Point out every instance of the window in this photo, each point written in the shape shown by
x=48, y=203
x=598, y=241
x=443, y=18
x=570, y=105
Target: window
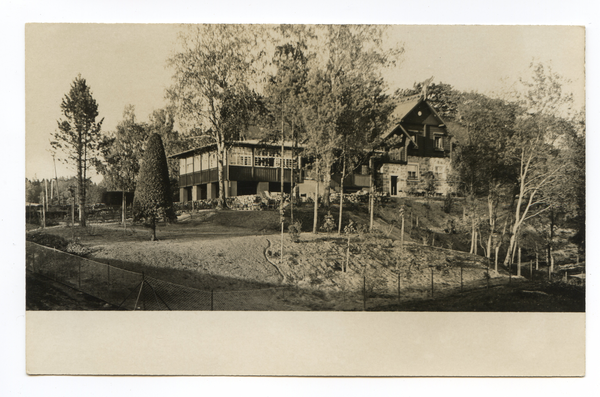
x=182, y=167
x=189, y=162
x=212, y=160
x=264, y=158
x=204, y=161
x=439, y=172
x=287, y=163
x=439, y=143
x=197, y=163
x=413, y=171
x=241, y=156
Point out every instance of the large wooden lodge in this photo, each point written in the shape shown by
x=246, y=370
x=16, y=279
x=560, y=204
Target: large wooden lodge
x=418, y=144
x=250, y=167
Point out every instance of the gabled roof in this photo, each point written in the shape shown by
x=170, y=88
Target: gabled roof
x=404, y=109
x=405, y=106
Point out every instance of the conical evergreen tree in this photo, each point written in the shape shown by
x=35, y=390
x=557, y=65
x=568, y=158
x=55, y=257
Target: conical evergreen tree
x=153, y=198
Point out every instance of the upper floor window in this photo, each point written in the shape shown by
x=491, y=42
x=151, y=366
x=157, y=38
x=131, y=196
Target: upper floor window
x=439, y=143
x=240, y=156
x=264, y=158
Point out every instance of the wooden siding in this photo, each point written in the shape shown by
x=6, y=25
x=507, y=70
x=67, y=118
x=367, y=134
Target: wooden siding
x=237, y=173
x=200, y=177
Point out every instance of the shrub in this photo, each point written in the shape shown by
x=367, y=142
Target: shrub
x=295, y=229
x=329, y=223
x=77, y=248
x=48, y=240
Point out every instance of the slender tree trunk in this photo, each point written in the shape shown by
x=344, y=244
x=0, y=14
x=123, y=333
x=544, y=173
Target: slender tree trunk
x=519, y=263
x=221, y=153
x=496, y=259
x=347, y=254
x=46, y=188
x=123, y=209
x=537, y=261
x=81, y=193
x=153, y=227
x=341, y=195
x=292, y=182
x=371, y=193
x=511, y=245
x=514, y=251
x=56, y=179
x=402, y=235
x=316, y=207
x=43, y=211
x=282, y=161
x=327, y=187
x=472, y=249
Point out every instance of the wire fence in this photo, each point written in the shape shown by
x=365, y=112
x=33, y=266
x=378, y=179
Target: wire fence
x=128, y=290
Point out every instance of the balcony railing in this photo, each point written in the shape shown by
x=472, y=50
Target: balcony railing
x=239, y=173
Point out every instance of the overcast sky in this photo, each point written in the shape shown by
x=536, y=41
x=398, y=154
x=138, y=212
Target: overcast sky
x=126, y=64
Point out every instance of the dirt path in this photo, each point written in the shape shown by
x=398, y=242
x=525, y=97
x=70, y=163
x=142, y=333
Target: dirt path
x=226, y=263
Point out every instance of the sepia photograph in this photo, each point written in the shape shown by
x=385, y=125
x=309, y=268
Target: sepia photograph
x=304, y=200
x=329, y=168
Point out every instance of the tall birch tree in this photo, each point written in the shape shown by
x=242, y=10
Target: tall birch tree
x=213, y=91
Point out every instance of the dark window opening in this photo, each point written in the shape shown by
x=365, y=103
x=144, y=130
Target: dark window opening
x=245, y=188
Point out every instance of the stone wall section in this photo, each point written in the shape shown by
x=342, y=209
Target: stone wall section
x=425, y=164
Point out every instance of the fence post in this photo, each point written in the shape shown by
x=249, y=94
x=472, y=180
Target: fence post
x=398, y=286
x=143, y=297
x=79, y=275
x=364, y=293
x=461, y=277
x=531, y=270
x=432, y=282
x=212, y=292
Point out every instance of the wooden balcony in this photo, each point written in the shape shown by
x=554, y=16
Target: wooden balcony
x=239, y=173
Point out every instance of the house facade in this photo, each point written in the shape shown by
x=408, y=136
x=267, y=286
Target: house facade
x=250, y=167
x=417, y=151
x=415, y=158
